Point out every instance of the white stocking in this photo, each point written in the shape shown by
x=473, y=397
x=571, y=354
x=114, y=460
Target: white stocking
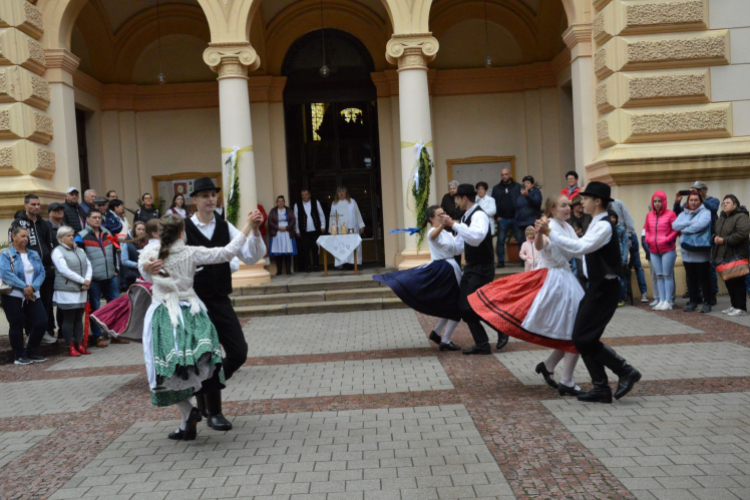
x=185, y=408
x=440, y=325
x=569, y=367
x=449, y=329
x=554, y=358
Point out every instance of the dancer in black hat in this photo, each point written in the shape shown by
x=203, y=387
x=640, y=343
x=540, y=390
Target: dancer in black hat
x=601, y=251
x=479, y=270
x=213, y=285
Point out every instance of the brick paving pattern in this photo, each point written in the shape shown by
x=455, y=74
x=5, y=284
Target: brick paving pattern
x=334, y=332
x=423, y=452
x=45, y=397
x=114, y=355
x=319, y=415
x=338, y=379
x=664, y=447
x=660, y=362
x=12, y=444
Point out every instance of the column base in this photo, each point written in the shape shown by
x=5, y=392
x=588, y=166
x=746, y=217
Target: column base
x=412, y=258
x=254, y=275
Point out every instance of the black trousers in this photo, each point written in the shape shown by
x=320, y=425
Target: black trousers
x=222, y=315
x=597, y=308
x=737, y=294
x=308, y=245
x=46, y=292
x=475, y=277
x=699, y=280
x=19, y=313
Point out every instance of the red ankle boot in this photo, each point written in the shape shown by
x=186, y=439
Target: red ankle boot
x=82, y=349
x=72, y=351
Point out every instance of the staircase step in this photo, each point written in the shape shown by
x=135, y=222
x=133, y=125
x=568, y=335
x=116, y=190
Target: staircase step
x=310, y=285
x=333, y=306
x=277, y=298
x=381, y=292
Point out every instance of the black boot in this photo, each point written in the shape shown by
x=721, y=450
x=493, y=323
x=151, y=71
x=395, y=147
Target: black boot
x=601, y=393
x=288, y=262
x=627, y=374
x=200, y=402
x=279, y=265
x=216, y=419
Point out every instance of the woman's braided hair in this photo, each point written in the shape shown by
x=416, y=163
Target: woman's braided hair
x=171, y=228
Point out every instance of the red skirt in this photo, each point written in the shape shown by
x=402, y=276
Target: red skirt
x=504, y=304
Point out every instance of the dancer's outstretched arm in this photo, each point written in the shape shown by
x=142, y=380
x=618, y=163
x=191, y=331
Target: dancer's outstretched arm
x=203, y=255
x=596, y=237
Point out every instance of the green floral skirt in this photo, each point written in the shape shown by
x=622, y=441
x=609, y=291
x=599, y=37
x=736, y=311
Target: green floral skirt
x=184, y=356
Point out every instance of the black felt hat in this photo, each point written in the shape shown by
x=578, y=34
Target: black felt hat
x=466, y=190
x=204, y=184
x=598, y=190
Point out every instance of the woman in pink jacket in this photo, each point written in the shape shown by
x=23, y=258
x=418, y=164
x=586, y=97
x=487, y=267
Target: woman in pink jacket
x=660, y=238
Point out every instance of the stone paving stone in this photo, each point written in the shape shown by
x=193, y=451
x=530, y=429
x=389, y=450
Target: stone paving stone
x=300, y=438
x=43, y=397
x=655, y=362
x=334, y=332
x=13, y=444
x=114, y=355
x=718, y=416
x=636, y=322
x=338, y=378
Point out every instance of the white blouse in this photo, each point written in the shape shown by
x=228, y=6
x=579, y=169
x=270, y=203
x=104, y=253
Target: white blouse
x=61, y=297
x=446, y=247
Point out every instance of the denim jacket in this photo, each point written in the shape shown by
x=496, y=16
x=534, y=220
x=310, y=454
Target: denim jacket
x=17, y=279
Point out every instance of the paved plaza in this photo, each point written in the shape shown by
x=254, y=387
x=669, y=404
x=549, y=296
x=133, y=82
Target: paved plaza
x=362, y=406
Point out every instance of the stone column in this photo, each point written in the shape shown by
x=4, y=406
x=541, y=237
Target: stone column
x=232, y=62
x=27, y=164
x=61, y=64
x=578, y=38
x=412, y=53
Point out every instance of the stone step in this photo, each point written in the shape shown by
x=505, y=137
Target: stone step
x=316, y=296
x=330, y=306
x=310, y=285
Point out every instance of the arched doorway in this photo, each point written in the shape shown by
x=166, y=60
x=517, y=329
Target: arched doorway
x=332, y=129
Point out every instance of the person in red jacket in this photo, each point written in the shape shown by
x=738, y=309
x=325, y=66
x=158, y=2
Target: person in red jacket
x=660, y=238
x=573, y=188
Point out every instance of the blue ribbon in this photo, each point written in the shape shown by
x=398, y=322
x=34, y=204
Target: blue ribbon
x=411, y=230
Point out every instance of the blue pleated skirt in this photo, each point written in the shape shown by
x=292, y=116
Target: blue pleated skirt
x=431, y=289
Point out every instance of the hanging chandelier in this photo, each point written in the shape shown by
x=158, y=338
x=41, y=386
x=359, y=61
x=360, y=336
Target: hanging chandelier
x=160, y=78
x=324, y=70
x=488, y=58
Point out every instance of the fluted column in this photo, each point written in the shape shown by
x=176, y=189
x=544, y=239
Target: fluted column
x=412, y=53
x=232, y=62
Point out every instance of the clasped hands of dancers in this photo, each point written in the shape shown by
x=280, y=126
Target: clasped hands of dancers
x=546, y=306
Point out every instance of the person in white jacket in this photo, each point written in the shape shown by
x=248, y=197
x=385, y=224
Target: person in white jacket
x=487, y=203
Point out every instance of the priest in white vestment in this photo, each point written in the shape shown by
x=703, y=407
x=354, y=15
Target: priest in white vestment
x=349, y=214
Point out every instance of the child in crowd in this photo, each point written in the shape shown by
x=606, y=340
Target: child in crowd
x=528, y=253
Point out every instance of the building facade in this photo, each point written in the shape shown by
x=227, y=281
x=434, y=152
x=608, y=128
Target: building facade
x=141, y=96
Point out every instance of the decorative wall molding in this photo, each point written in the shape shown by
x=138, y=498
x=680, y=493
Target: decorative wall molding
x=23, y=16
x=18, y=48
x=654, y=88
x=579, y=39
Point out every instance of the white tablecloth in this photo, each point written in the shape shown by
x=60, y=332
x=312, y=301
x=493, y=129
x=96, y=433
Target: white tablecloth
x=340, y=246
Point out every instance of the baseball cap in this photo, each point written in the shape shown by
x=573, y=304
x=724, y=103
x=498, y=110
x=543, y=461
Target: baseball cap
x=71, y=189
x=700, y=185
x=54, y=206
x=100, y=201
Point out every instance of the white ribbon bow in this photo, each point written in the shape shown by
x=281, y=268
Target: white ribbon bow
x=232, y=168
x=418, y=147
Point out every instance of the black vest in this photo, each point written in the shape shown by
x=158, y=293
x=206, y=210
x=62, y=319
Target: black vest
x=484, y=253
x=302, y=216
x=215, y=279
x=605, y=261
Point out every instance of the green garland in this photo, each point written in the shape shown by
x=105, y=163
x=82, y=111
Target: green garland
x=424, y=171
x=233, y=202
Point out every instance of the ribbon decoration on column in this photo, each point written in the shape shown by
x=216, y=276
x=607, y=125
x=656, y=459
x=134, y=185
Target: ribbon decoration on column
x=419, y=183
x=232, y=181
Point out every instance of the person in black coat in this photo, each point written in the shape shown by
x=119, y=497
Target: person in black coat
x=505, y=193
x=74, y=217
x=448, y=203
x=528, y=204
x=148, y=210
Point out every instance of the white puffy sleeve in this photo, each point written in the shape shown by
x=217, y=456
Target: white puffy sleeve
x=203, y=256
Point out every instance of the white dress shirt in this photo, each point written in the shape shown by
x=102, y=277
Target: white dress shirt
x=597, y=235
x=251, y=252
x=307, y=205
x=475, y=233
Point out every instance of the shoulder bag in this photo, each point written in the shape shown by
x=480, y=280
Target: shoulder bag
x=6, y=289
x=733, y=268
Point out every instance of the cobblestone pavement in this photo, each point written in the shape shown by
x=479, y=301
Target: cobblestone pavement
x=362, y=406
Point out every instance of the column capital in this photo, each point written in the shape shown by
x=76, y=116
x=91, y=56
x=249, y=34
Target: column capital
x=231, y=60
x=579, y=39
x=412, y=50
x=61, y=66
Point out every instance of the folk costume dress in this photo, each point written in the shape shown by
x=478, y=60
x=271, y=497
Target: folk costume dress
x=433, y=288
x=283, y=243
x=537, y=306
x=180, y=344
